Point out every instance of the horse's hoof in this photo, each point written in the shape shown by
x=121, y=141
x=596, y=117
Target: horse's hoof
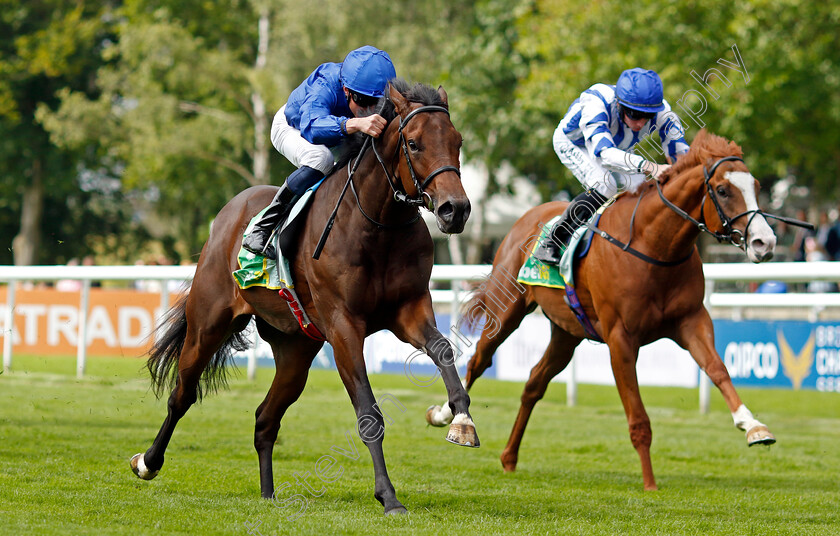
x=462, y=432
x=396, y=511
x=759, y=435
x=138, y=465
x=509, y=462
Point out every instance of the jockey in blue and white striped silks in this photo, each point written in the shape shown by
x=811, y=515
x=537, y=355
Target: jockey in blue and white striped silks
x=595, y=141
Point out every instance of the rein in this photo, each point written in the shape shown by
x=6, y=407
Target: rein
x=729, y=233
x=635, y=252
x=733, y=236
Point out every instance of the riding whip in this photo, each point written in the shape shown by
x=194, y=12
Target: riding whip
x=331, y=221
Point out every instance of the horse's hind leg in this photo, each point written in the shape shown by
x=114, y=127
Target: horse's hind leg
x=696, y=334
x=292, y=357
x=557, y=356
x=208, y=329
x=504, y=303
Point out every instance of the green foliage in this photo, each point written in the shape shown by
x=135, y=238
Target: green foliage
x=175, y=107
x=46, y=47
x=483, y=70
x=785, y=117
x=160, y=95
x=172, y=114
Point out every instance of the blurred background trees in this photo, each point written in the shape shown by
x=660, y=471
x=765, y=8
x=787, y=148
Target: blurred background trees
x=126, y=125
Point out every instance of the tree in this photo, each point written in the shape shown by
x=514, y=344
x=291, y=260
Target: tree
x=784, y=111
x=45, y=46
x=483, y=70
x=190, y=87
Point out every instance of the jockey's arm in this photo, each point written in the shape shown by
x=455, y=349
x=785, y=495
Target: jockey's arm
x=594, y=123
x=671, y=134
x=624, y=162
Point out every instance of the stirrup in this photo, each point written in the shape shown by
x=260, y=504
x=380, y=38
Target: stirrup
x=257, y=247
x=548, y=252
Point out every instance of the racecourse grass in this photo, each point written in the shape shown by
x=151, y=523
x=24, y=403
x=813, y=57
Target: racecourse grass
x=65, y=445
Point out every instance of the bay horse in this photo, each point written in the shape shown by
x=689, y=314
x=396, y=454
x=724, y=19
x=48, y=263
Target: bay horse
x=373, y=275
x=631, y=301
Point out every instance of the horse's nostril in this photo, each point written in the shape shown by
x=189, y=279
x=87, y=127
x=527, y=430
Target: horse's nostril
x=446, y=211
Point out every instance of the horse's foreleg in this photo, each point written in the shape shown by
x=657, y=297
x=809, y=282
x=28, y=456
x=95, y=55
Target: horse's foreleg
x=624, y=352
x=415, y=325
x=503, y=304
x=696, y=334
x=292, y=357
x=557, y=356
x=347, y=340
x=462, y=428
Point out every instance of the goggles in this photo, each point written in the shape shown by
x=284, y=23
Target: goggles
x=635, y=115
x=363, y=101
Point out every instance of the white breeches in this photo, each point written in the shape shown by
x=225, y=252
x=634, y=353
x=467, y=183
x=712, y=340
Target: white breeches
x=590, y=173
x=295, y=148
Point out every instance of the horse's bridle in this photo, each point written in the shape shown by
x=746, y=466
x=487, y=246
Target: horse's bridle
x=734, y=236
x=729, y=234
x=400, y=195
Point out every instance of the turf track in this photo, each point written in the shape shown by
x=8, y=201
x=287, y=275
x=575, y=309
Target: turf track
x=65, y=445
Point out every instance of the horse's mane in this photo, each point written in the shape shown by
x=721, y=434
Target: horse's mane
x=705, y=149
x=421, y=93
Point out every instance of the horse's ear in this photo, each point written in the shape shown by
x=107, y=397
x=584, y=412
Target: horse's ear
x=443, y=96
x=400, y=102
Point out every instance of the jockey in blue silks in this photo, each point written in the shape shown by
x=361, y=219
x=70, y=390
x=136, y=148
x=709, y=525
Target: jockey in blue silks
x=596, y=141
x=319, y=114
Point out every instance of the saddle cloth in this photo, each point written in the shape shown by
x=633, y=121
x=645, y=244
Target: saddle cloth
x=258, y=271
x=536, y=273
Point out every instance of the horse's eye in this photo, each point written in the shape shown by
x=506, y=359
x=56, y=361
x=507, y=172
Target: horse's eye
x=412, y=145
x=721, y=191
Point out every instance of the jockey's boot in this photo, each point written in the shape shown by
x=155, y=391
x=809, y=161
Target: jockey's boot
x=576, y=214
x=257, y=241
x=300, y=180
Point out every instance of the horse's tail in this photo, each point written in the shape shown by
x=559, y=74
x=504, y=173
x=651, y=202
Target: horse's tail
x=476, y=308
x=166, y=349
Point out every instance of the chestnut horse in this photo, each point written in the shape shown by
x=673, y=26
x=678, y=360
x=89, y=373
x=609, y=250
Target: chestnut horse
x=373, y=275
x=629, y=301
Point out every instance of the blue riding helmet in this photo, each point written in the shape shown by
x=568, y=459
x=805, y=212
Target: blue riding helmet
x=367, y=70
x=640, y=89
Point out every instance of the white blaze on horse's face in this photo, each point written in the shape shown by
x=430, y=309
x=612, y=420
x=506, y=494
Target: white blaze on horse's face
x=761, y=241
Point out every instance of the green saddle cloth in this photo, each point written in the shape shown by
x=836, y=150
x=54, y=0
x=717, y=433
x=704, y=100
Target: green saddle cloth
x=537, y=273
x=258, y=271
